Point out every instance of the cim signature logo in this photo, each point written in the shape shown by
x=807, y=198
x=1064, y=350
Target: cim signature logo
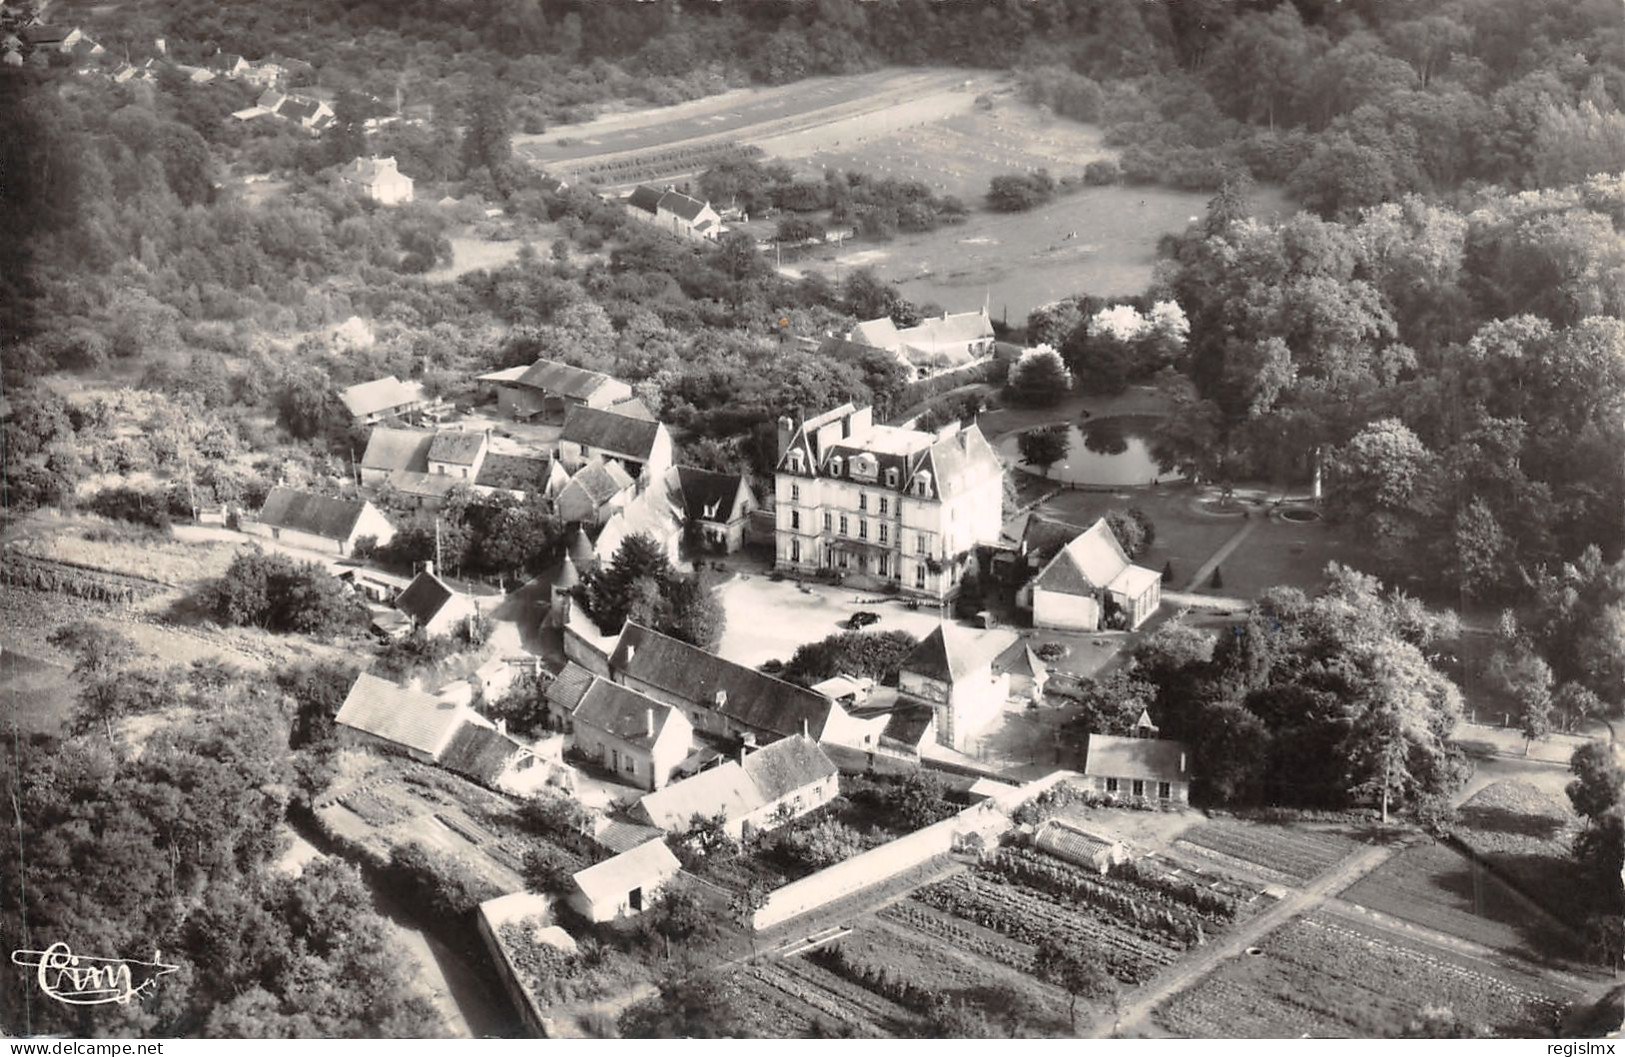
x=83, y=980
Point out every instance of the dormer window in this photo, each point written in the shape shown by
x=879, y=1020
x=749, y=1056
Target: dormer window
x=797, y=462
x=922, y=483
x=835, y=466
x=865, y=467
x=891, y=477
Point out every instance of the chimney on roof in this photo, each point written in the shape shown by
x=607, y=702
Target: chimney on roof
x=428, y=567
x=631, y=649
x=648, y=722
x=721, y=698
x=804, y=730
x=1181, y=763
x=787, y=430
x=743, y=750
x=502, y=726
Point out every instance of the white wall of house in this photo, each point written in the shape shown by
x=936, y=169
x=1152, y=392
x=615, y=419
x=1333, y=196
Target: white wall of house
x=648, y=888
x=1052, y=609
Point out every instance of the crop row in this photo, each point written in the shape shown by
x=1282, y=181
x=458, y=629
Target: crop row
x=1298, y=853
x=1029, y=917
x=1176, y=909
x=774, y=976
x=712, y=152
x=21, y=571
x=923, y=921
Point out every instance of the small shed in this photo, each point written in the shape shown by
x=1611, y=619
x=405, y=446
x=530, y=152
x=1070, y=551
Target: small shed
x=624, y=884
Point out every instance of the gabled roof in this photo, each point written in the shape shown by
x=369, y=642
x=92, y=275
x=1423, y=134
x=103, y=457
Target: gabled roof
x=787, y=765
x=847, y=349
x=880, y=333
x=299, y=108
x=369, y=171
x=617, y=434
x=624, y=714
x=632, y=407
x=611, y=879
x=480, y=753
x=1151, y=759
x=601, y=481
x=708, y=495
x=580, y=549
x=394, y=713
x=1036, y=534
x=459, y=447
x=578, y=383
x=569, y=687
x=1086, y=565
x=908, y=724
x=46, y=35
x=424, y=597
x=951, y=653
x=380, y=394
x=645, y=198
x=520, y=473
x=397, y=449
x=318, y=515
x=752, y=698
x=681, y=204
x=725, y=789
x=567, y=576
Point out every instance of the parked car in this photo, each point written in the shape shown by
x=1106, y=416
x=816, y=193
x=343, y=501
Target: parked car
x=862, y=619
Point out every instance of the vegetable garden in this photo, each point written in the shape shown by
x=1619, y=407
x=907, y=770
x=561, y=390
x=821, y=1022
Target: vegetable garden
x=1296, y=854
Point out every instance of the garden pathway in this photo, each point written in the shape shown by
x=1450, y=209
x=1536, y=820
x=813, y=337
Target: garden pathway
x=1224, y=551
x=1138, y=1004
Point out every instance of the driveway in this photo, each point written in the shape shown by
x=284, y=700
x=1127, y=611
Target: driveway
x=768, y=620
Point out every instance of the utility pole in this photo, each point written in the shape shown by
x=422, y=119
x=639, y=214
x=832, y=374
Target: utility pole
x=440, y=569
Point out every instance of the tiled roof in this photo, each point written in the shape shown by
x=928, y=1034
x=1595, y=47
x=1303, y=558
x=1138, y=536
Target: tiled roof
x=908, y=724
x=480, y=753
x=651, y=514
x=617, y=434
x=752, y=699
x=951, y=653
x=623, y=713
x=681, y=204
x=317, y=515
x=425, y=596
x=397, y=449
x=645, y=198
x=299, y=108
x=725, y=789
x=1145, y=758
x=601, y=481
x=381, y=394
x=619, y=835
x=578, y=383
x=787, y=765
x=520, y=473
x=632, y=407
x=569, y=687
x=708, y=495
x=647, y=864
x=1086, y=565
x=425, y=485
x=394, y=713
x=460, y=447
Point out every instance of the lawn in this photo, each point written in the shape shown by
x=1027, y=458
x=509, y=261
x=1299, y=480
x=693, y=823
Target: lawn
x=1438, y=888
x=38, y=695
x=1328, y=977
x=1297, y=854
x=1525, y=835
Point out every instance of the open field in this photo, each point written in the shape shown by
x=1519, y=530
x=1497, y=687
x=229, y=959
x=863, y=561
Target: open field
x=800, y=117
x=1293, y=852
x=1438, y=888
x=35, y=695
x=1331, y=977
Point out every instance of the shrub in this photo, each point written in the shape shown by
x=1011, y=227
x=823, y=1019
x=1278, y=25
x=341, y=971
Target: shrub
x=1102, y=173
x=123, y=503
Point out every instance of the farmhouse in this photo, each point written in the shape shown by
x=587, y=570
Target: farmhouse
x=379, y=714
x=594, y=493
x=493, y=759
x=457, y=453
x=716, y=507
x=718, y=696
x=1141, y=769
x=1089, y=583
x=624, y=884
x=933, y=344
x=377, y=179
x=372, y=402
x=312, y=115
x=627, y=433
x=518, y=475
x=229, y=64
x=952, y=670
x=672, y=211
x=432, y=606
x=391, y=450
x=564, y=693
x=304, y=519
x=760, y=791
x=549, y=389
x=639, y=739
x=884, y=505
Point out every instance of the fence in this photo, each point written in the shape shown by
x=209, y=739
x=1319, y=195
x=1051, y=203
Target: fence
x=989, y=819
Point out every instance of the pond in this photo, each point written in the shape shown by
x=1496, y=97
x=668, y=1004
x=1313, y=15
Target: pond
x=1103, y=451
